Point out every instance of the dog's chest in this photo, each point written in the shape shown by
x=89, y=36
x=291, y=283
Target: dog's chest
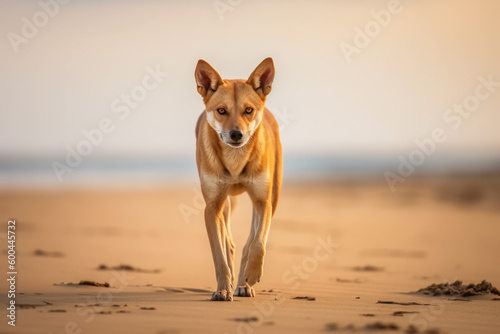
x=235, y=161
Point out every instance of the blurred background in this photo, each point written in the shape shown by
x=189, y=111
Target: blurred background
x=357, y=84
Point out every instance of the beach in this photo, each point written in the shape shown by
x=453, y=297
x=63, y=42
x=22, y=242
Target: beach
x=341, y=257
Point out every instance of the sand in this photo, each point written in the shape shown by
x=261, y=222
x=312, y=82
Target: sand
x=341, y=258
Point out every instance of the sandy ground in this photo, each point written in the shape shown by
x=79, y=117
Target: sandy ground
x=344, y=246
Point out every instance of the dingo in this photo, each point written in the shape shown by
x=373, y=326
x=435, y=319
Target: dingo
x=238, y=149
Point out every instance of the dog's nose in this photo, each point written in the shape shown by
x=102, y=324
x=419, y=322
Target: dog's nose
x=235, y=135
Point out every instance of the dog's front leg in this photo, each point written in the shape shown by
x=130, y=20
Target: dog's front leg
x=257, y=249
x=216, y=229
x=243, y=289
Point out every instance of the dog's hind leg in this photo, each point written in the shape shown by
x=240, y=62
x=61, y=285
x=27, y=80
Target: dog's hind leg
x=257, y=249
x=228, y=207
x=243, y=289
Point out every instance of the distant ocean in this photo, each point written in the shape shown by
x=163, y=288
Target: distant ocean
x=164, y=172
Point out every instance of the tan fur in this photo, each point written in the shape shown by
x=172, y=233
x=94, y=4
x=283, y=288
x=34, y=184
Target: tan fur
x=227, y=169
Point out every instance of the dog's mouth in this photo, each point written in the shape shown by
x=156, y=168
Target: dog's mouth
x=232, y=143
x=235, y=144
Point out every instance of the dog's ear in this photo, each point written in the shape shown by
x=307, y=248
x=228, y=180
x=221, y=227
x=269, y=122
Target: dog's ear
x=207, y=79
x=262, y=78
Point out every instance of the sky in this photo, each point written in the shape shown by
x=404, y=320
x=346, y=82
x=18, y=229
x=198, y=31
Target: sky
x=418, y=60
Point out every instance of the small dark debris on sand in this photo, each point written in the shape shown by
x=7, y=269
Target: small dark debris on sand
x=94, y=283
x=127, y=267
x=57, y=311
x=381, y=326
x=46, y=302
x=458, y=289
x=40, y=252
x=368, y=268
x=122, y=311
x=414, y=330
x=376, y=326
x=90, y=283
x=26, y=306
x=367, y=315
x=104, y=312
x=305, y=298
x=340, y=280
x=89, y=305
x=496, y=298
x=248, y=319
x=148, y=308
x=399, y=303
x=401, y=313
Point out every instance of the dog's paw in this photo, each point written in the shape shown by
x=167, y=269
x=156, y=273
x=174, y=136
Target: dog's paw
x=244, y=291
x=222, y=295
x=253, y=272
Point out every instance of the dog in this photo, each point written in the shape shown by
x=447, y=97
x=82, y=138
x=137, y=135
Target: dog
x=238, y=150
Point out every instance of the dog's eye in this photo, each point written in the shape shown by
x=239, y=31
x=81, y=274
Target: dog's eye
x=221, y=111
x=249, y=110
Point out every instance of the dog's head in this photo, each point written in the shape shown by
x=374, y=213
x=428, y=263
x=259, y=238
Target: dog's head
x=234, y=108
